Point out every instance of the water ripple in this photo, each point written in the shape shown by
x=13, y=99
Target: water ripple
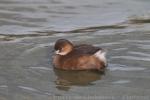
x=28, y=88
x=132, y=58
x=136, y=41
x=139, y=53
x=143, y=46
x=121, y=82
x=3, y=86
x=41, y=68
x=139, y=20
x=114, y=67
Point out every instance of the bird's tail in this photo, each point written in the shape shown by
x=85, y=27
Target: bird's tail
x=101, y=55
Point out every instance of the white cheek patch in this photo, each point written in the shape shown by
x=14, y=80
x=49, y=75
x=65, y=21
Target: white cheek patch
x=60, y=53
x=57, y=51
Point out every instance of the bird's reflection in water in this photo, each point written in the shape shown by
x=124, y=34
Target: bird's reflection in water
x=66, y=79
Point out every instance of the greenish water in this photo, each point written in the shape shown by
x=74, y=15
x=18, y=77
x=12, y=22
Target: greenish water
x=29, y=29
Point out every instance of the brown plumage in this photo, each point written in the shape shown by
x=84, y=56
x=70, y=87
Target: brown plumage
x=78, y=57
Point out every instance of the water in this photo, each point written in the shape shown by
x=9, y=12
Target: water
x=29, y=29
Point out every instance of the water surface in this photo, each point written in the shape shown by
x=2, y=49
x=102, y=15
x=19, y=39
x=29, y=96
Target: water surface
x=29, y=29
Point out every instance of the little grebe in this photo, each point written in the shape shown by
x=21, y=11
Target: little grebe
x=78, y=57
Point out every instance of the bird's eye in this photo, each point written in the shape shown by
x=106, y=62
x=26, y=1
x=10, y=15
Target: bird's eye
x=61, y=49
